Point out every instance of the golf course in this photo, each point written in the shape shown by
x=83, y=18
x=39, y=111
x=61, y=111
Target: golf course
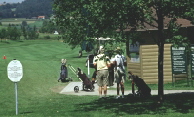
x=38, y=90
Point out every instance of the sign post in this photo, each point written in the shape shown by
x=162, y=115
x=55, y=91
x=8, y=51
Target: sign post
x=192, y=63
x=15, y=73
x=16, y=97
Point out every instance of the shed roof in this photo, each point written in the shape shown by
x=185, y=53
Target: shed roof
x=154, y=25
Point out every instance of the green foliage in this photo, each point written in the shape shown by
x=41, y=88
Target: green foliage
x=23, y=28
x=48, y=27
x=47, y=37
x=93, y=19
x=13, y=33
x=24, y=23
x=30, y=31
x=32, y=34
x=74, y=27
x=173, y=35
x=3, y=34
x=6, y=10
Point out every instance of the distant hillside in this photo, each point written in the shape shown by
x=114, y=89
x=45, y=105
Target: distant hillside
x=26, y=9
x=10, y=1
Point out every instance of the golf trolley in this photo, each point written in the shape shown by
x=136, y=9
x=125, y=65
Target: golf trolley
x=86, y=83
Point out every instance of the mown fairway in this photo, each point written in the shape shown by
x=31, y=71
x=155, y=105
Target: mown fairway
x=18, y=22
x=6, y=22
x=41, y=67
x=38, y=89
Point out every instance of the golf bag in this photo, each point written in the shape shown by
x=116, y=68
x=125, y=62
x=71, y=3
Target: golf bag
x=87, y=85
x=143, y=89
x=63, y=73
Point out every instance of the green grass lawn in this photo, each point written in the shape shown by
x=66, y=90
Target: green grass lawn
x=38, y=90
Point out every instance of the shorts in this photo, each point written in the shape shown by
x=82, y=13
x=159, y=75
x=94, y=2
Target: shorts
x=119, y=77
x=102, y=77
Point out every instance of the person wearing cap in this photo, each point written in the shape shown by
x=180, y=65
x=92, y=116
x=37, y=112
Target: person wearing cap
x=95, y=72
x=119, y=71
x=102, y=63
x=64, y=71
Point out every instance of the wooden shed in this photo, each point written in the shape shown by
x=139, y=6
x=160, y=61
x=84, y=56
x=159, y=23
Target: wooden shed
x=143, y=60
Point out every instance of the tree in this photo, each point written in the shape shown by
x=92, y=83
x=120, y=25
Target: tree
x=34, y=8
x=3, y=34
x=32, y=33
x=13, y=33
x=70, y=20
x=48, y=27
x=83, y=19
x=172, y=9
x=16, y=33
x=6, y=10
x=24, y=23
x=24, y=32
x=26, y=9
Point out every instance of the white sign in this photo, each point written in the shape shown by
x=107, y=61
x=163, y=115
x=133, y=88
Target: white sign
x=15, y=70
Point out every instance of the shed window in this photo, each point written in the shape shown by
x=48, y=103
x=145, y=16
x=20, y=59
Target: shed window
x=134, y=52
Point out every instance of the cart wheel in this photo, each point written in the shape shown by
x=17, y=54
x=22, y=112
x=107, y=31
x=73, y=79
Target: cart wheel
x=76, y=89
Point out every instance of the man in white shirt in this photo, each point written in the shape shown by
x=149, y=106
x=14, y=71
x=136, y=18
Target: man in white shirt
x=119, y=71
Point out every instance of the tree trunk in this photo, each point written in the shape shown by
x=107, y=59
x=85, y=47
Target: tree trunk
x=160, y=71
x=160, y=51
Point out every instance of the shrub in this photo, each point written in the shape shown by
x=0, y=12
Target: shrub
x=47, y=37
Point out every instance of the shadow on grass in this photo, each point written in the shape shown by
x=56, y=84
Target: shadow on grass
x=26, y=112
x=79, y=57
x=180, y=102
